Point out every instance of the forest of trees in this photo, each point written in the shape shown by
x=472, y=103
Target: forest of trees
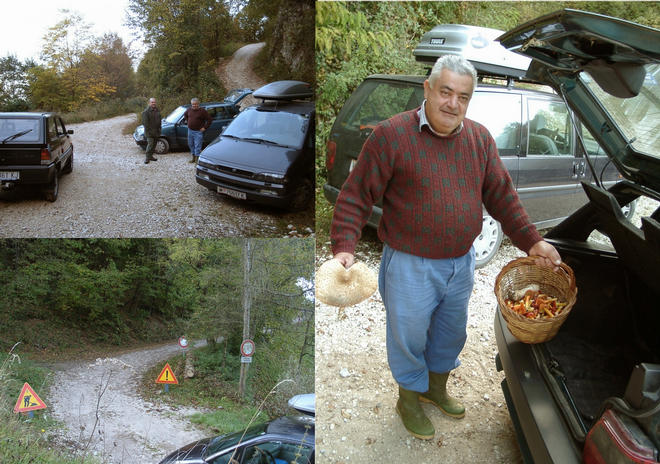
x=184, y=41
x=68, y=294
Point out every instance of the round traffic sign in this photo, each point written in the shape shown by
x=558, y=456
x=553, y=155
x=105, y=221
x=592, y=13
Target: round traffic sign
x=247, y=347
x=183, y=342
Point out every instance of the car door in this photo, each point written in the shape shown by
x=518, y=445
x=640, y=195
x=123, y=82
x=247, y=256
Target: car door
x=220, y=119
x=551, y=170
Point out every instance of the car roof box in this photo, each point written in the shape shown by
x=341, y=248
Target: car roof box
x=303, y=403
x=284, y=90
x=476, y=44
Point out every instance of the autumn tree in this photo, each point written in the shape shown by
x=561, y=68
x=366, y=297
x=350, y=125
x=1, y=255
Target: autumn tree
x=13, y=84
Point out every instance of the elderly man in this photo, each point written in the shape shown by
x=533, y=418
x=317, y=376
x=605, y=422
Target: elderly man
x=433, y=169
x=151, y=121
x=198, y=120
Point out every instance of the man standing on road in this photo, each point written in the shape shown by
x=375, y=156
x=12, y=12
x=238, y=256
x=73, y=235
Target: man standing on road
x=198, y=121
x=432, y=169
x=151, y=121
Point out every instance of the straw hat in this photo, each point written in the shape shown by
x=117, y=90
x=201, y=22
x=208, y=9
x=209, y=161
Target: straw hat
x=338, y=286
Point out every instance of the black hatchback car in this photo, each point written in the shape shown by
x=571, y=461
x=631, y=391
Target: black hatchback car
x=174, y=131
x=285, y=440
x=266, y=155
x=531, y=125
x=35, y=149
x=592, y=393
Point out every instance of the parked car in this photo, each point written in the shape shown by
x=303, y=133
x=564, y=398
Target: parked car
x=35, y=149
x=592, y=393
x=266, y=155
x=174, y=131
x=285, y=440
x=531, y=125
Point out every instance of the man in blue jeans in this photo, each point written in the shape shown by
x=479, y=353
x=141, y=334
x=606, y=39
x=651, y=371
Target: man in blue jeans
x=198, y=120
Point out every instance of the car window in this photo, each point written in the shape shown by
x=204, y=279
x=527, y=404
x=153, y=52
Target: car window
x=550, y=131
x=501, y=114
x=20, y=130
x=590, y=143
x=277, y=452
x=280, y=127
x=383, y=100
x=59, y=127
x=175, y=115
x=51, y=128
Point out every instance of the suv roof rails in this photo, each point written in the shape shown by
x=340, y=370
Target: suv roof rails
x=476, y=44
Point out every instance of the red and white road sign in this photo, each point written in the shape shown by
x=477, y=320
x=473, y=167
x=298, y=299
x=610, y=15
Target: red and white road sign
x=247, y=347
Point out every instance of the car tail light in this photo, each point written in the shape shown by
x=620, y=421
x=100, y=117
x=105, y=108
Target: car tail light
x=45, y=156
x=330, y=156
x=617, y=439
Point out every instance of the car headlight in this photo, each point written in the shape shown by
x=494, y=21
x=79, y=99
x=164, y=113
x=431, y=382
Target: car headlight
x=205, y=162
x=270, y=177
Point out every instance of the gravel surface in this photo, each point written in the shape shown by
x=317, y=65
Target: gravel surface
x=356, y=394
x=112, y=193
x=99, y=402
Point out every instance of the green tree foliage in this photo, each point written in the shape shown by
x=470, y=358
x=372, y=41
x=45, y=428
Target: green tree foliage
x=13, y=84
x=185, y=39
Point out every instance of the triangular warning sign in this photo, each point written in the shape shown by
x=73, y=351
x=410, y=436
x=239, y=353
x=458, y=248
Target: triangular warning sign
x=167, y=376
x=28, y=400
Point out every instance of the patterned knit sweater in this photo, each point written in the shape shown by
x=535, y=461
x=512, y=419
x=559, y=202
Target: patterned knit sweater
x=432, y=190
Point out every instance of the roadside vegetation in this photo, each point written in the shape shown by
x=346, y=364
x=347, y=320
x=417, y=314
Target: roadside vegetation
x=357, y=39
x=82, y=299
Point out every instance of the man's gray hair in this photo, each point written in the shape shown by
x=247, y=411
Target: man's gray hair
x=454, y=63
x=194, y=100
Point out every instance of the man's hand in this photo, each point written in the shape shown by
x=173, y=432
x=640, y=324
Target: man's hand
x=548, y=255
x=347, y=259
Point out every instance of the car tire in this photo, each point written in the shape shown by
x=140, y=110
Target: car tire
x=629, y=209
x=162, y=146
x=488, y=242
x=68, y=167
x=302, y=196
x=53, y=188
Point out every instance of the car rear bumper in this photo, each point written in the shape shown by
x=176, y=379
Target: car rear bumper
x=542, y=432
x=27, y=175
x=244, y=189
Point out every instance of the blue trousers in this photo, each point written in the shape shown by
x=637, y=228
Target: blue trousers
x=195, y=139
x=426, y=302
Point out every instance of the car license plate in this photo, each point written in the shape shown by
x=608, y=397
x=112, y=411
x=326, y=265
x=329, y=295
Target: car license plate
x=232, y=193
x=9, y=175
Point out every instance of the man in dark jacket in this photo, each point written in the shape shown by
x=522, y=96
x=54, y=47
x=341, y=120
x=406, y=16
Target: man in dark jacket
x=198, y=120
x=151, y=121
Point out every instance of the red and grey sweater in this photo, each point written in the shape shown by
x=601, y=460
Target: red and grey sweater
x=432, y=190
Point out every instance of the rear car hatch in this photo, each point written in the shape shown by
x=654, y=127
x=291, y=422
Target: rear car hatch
x=597, y=62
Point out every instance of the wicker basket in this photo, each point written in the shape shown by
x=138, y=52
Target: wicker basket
x=523, y=272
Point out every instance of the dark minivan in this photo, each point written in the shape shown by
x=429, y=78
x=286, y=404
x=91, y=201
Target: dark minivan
x=530, y=123
x=266, y=154
x=35, y=149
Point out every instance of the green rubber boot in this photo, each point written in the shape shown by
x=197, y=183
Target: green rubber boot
x=438, y=396
x=412, y=415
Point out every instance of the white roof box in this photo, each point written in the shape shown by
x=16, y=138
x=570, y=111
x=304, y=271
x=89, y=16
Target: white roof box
x=477, y=44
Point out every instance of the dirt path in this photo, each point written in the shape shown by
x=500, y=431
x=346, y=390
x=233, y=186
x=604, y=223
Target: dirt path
x=129, y=429
x=112, y=193
x=237, y=71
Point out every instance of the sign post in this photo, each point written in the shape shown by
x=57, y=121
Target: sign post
x=167, y=377
x=183, y=343
x=247, y=350
x=28, y=401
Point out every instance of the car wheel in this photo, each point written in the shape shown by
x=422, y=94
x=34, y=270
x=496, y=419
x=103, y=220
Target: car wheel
x=302, y=196
x=488, y=241
x=68, y=167
x=162, y=146
x=53, y=188
x=629, y=209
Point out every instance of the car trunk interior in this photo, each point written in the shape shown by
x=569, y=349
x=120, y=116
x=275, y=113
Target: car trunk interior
x=614, y=323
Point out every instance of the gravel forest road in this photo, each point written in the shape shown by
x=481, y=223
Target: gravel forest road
x=112, y=193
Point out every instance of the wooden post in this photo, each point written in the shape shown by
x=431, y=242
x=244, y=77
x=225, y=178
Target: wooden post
x=247, y=303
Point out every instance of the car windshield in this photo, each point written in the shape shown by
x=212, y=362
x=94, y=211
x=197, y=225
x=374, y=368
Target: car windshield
x=19, y=130
x=175, y=115
x=234, y=95
x=226, y=441
x=279, y=127
x=636, y=117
